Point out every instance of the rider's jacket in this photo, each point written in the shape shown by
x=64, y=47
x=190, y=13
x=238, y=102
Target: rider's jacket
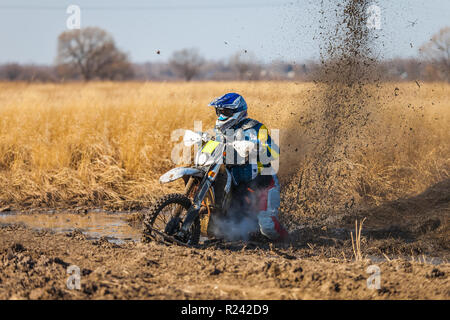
x=258, y=160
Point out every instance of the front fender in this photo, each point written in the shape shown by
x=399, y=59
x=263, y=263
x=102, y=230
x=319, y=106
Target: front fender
x=177, y=173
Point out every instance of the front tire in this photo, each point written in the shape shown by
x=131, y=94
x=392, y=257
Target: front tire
x=165, y=210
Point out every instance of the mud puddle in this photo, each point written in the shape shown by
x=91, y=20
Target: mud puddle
x=112, y=226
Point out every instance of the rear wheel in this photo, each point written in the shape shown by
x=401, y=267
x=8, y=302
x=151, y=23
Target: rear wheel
x=165, y=218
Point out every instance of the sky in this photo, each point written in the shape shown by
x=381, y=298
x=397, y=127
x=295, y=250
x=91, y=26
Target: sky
x=271, y=29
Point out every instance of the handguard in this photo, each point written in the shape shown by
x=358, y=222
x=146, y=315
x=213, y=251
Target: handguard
x=243, y=147
x=190, y=138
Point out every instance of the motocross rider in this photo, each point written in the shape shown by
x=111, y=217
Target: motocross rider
x=253, y=178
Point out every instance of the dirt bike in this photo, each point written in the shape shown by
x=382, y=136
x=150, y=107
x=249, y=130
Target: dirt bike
x=183, y=218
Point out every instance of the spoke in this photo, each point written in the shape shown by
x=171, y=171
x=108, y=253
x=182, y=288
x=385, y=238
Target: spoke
x=166, y=215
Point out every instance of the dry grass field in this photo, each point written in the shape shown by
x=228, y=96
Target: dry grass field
x=380, y=153
x=106, y=144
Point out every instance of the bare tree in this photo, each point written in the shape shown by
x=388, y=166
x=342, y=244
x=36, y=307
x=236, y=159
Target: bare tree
x=91, y=53
x=246, y=65
x=11, y=71
x=187, y=63
x=30, y=72
x=437, y=50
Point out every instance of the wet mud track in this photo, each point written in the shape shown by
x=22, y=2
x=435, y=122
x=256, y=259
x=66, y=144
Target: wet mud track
x=33, y=265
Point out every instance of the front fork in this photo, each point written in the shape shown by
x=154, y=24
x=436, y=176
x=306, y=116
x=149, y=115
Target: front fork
x=189, y=186
x=193, y=211
x=200, y=195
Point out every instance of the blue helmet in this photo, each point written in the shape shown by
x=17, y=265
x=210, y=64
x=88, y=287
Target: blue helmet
x=231, y=109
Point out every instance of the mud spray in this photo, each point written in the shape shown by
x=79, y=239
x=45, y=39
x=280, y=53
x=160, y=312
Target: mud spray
x=332, y=130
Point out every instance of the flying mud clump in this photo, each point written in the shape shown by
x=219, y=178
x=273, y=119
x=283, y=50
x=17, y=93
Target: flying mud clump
x=338, y=112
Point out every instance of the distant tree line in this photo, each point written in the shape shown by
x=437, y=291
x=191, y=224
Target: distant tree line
x=91, y=54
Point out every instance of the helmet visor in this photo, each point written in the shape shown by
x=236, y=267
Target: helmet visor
x=224, y=112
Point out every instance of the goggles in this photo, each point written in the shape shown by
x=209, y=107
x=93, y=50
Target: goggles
x=224, y=112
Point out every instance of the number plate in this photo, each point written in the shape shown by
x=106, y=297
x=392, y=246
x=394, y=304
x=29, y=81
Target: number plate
x=210, y=146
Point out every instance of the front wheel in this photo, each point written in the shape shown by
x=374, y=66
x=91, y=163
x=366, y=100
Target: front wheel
x=165, y=218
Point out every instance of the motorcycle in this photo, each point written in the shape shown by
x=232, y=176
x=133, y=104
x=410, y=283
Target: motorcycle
x=183, y=218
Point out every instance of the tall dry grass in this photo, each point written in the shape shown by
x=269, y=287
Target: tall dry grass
x=106, y=144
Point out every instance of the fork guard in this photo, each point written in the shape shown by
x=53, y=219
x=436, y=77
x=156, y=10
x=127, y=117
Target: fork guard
x=191, y=215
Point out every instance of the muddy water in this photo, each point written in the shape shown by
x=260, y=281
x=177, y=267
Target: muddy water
x=113, y=226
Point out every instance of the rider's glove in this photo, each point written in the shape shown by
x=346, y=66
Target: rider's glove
x=243, y=147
